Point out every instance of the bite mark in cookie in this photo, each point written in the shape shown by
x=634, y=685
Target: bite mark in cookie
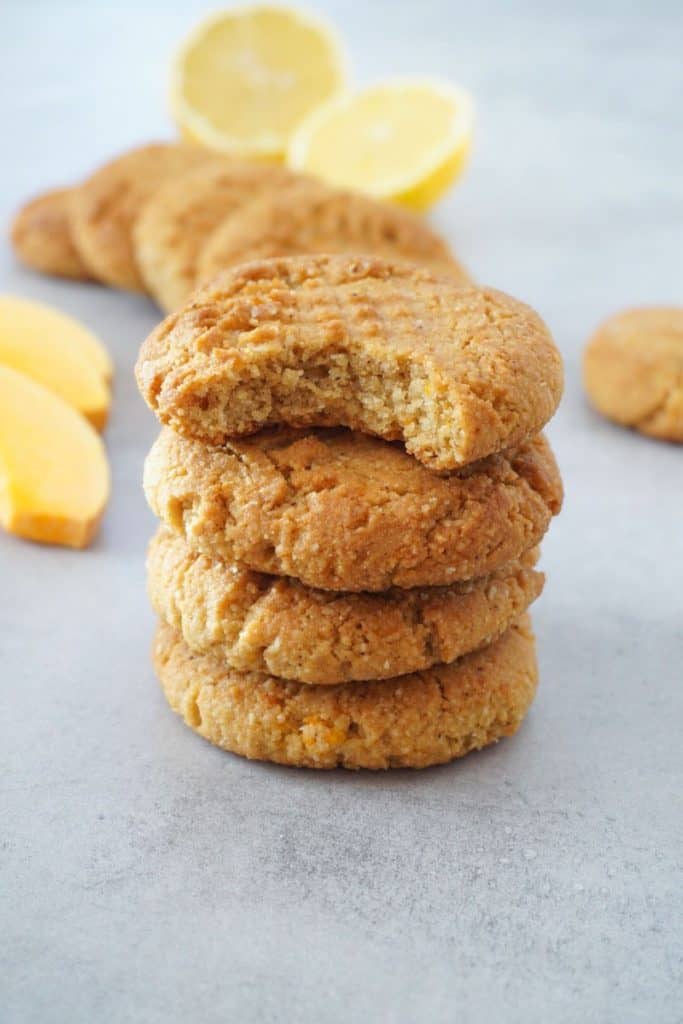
x=456, y=374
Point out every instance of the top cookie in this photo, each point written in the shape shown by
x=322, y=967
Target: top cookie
x=633, y=371
x=178, y=219
x=105, y=207
x=316, y=219
x=386, y=349
x=41, y=236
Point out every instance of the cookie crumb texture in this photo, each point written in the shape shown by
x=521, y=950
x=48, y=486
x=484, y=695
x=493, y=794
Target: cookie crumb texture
x=262, y=623
x=633, y=371
x=343, y=511
x=411, y=721
x=387, y=349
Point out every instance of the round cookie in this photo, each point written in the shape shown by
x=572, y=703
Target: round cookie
x=316, y=219
x=178, y=219
x=456, y=374
x=41, y=236
x=343, y=511
x=412, y=721
x=105, y=207
x=633, y=371
x=259, y=623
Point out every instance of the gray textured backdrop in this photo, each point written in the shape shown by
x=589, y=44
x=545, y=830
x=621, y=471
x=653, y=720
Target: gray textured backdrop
x=147, y=876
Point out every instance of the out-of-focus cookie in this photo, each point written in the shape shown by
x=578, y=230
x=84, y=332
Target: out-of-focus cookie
x=105, y=207
x=178, y=219
x=316, y=219
x=343, y=511
x=411, y=721
x=394, y=350
x=633, y=371
x=42, y=239
x=259, y=623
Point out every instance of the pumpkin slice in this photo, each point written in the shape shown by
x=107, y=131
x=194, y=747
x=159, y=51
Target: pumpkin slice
x=59, y=353
x=54, y=475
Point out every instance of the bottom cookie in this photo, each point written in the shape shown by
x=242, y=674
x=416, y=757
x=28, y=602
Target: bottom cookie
x=410, y=721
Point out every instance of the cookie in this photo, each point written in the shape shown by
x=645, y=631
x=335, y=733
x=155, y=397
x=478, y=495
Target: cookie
x=316, y=219
x=41, y=236
x=178, y=219
x=105, y=207
x=411, y=721
x=343, y=511
x=633, y=371
x=259, y=623
x=456, y=374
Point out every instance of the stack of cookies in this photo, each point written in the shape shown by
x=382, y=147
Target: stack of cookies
x=353, y=486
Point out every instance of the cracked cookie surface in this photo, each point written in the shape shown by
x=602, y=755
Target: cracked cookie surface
x=42, y=239
x=456, y=374
x=316, y=219
x=340, y=510
x=633, y=371
x=104, y=208
x=178, y=219
x=411, y=721
x=260, y=623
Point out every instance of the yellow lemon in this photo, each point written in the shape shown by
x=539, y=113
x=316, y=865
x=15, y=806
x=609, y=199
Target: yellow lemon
x=406, y=140
x=246, y=78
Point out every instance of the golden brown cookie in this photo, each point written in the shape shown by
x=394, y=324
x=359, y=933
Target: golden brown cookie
x=411, y=721
x=178, y=219
x=633, y=371
x=259, y=623
x=105, y=207
x=343, y=511
x=316, y=219
x=387, y=349
x=41, y=236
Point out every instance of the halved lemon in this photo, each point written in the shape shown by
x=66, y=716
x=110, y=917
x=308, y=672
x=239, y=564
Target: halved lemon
x=407, y=140
x=246, y=78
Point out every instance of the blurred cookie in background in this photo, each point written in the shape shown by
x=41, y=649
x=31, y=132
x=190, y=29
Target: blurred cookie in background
x=181, y=215
x=633, y=371
x=317, y=219
x=41, y=236
x=105, y=207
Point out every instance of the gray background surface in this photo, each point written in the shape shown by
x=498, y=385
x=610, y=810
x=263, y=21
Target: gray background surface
x=149, y=877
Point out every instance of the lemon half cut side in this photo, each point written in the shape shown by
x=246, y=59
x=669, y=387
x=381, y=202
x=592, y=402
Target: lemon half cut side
x=405, y=139
x=246, y=78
